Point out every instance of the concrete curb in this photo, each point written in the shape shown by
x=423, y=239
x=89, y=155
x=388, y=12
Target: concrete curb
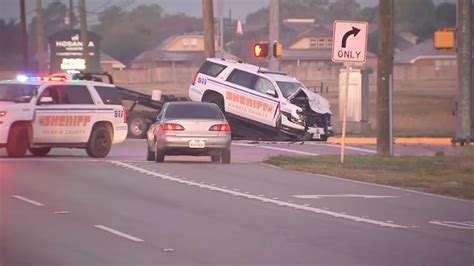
x=426, y=141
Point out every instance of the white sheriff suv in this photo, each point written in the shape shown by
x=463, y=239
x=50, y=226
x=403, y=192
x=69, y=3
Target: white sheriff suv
x=40, y=113
x=265, y=101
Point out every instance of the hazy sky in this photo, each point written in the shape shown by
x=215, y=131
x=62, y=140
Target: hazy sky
x=240, y=8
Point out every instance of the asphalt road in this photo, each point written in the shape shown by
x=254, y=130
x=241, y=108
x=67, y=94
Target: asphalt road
x=67, y=209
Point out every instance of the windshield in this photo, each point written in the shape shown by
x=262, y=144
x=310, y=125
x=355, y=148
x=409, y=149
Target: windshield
x=18, y=93
x=288, y=88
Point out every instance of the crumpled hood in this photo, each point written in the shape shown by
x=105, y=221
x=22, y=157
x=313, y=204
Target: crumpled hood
x=316, y=102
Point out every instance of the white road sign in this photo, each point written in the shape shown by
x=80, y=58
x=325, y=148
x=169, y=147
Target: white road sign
x=349, y=41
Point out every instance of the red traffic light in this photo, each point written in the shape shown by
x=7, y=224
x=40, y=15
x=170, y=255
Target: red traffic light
x=260, y=49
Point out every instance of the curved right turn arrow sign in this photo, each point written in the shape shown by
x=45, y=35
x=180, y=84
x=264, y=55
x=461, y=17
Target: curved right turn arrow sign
x=350, y=41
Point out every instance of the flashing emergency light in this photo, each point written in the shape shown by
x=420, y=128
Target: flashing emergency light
x=260, y=49
x=23, y=78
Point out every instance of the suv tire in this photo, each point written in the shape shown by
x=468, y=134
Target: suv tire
x=39, y=151
x=216, y=99
x=17, y=143
x=99, y=143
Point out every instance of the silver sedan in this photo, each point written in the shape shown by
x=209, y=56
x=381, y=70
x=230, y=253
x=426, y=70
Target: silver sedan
x=189, y=128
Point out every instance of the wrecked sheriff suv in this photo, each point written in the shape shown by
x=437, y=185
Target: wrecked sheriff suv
x=262, y=104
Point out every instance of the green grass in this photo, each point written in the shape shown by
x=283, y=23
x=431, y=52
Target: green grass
x=452, y=176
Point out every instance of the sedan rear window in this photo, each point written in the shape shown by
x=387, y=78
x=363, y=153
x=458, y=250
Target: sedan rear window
x=193, y=111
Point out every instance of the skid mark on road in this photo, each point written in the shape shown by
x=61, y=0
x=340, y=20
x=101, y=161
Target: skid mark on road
x=256, y=197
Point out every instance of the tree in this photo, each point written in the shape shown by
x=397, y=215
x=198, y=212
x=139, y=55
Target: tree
x=344, y=9
x=446, y=15
x=10, y=48
x=417, y=17
x=368, y=14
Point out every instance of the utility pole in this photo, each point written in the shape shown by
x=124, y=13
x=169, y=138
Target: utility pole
x=274, y=31
x=84, y=35
x=464, y=57
x=40, y=42
x=384, y=75
x=71, y=14
x=208, y=26
x=220, y=10
x=24, y=35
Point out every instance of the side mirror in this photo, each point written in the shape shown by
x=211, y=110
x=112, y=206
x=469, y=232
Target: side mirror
x=272, y=93
x=46, y=100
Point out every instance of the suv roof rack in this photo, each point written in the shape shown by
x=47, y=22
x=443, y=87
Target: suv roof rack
x=265, y=71
x=93, y=76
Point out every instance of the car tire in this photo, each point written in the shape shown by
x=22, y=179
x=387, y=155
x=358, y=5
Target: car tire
x=159, y=156
x=225, y=156
x=137, y=127
x=150, y=156
x=39, y=151
x=99, y=143
x=215, y=158
x=17, y=143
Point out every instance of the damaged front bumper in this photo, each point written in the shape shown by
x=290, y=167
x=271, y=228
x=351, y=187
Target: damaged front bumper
x=307, y=128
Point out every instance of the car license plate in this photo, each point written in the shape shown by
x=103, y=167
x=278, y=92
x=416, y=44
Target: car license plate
x=197, y=144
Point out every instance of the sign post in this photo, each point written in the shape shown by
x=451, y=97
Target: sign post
x=349, y=46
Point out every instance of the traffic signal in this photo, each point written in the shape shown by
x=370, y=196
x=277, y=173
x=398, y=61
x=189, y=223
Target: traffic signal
x=277, y=49
x=443, y=39
x=260, y=49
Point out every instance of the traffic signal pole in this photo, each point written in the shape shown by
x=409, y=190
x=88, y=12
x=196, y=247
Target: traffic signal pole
x=24, y=35
x=208, y=26
x=40, y=40
x=274, y=31
x=464, y=57
x=84, y=33
x=384, y=76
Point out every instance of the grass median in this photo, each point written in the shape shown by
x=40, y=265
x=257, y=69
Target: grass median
x=445, y=175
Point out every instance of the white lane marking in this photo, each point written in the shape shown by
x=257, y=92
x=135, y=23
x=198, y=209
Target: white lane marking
x=344, y=196
x=39, y=204
x=250, y=196
x=118, y=233
x=454, y=224
x=395, y=188
x=347, y=147
x=278, y=149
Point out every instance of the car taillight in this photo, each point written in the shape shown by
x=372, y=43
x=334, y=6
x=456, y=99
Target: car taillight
x=171, y=126
x=195, y=77
x=3, y=113
x=220, y=127
x=125, y=115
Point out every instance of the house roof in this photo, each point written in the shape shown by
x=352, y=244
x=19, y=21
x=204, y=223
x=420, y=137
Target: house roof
x=422, y=50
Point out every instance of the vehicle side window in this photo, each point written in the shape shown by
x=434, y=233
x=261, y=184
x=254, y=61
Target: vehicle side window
x=211, y=69
x=242, y=78
x=68, y=94
x=264, y=85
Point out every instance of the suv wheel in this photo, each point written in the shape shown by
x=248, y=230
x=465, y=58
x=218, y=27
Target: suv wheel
x=217, y=99
x=39, y=151
x=99, y=143
x=17, y=143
